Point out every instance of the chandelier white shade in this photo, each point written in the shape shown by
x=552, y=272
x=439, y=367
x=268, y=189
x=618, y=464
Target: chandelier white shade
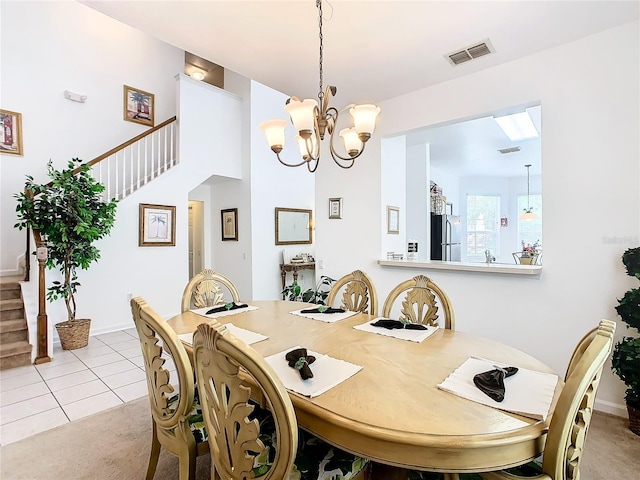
x=313, y=118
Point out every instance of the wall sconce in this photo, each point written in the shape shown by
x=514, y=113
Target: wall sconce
x=75, y=97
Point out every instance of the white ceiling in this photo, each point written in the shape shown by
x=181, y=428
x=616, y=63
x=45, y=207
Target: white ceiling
x=373, y=50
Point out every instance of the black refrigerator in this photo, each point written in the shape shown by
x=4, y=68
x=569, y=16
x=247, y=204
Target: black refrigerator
x=446, y=237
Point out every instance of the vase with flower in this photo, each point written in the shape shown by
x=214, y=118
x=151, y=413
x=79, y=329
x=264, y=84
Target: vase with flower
x=529, y=253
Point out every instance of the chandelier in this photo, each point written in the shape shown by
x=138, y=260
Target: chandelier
x=528, y=214
x=312, y=119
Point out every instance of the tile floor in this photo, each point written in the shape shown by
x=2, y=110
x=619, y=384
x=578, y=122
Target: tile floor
x=107, y=372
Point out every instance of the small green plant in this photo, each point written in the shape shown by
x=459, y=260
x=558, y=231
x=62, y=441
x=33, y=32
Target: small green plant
x=625, y=359
x=71, y=216
x=294, y=293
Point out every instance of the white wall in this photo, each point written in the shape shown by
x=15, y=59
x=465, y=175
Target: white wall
x=274, y=185
x=49, y=47
x=393, y=181
x=590, y=154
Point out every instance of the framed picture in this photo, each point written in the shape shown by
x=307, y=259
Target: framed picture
x=393, y=219
x=138, y=106
x=11, y=132
x=335, y=208
x=157, y=226
x=229, y=219
x=294, y=226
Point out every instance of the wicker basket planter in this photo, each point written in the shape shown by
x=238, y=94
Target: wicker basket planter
x=74, y=333
x=634, y=419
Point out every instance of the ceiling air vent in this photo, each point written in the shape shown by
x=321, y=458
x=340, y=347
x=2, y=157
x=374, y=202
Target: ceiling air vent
x=509, y=150
x=470, y=53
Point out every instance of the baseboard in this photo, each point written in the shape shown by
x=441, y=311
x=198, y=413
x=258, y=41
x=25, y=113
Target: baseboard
x=610, y=407
x=10, y=273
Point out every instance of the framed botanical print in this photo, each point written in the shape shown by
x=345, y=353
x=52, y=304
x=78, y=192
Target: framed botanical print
x=157, y=226
x=229, y=219
x=138, y=106
x=393, y=219
x=10, y=132
x=335, y=208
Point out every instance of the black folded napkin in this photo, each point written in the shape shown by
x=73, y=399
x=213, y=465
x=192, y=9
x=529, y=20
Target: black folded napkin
x=492, y=382
x=299, y=360
x=322, y=309
x=393, y=324
x=226, y=306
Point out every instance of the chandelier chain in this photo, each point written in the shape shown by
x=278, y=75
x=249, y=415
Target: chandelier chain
x=319, y=5
x=528, y=199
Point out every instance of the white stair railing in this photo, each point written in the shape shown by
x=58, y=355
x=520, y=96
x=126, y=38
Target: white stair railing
x=126, y=168
x=122, y=170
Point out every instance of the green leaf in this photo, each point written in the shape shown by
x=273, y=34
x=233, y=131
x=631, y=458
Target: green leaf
x=70, y=211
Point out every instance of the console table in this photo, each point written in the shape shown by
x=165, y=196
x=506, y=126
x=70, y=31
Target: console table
x=294, y=267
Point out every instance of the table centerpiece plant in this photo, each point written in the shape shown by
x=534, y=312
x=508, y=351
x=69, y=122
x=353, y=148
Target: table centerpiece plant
x=625, y=359
x=70, y=215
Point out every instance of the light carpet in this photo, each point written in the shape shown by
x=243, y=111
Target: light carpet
x=114, y=444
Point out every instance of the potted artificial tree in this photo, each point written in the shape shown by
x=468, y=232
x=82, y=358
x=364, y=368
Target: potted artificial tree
x=625, y=359
x=71, y=216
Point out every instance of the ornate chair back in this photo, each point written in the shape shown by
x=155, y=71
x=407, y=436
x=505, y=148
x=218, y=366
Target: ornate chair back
x=582, y=345
x=359, y=293
x=572, y=415
x=204, y=290
x=571, y=418
x=173, y=423
x=229, y=373
x=422, y=303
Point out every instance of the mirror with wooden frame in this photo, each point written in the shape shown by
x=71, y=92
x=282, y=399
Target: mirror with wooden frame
x=293, y=226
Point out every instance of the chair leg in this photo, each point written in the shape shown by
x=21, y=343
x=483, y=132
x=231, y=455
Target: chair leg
x=155, y=453
x=187, y=464
x=380, y=471
x=451, y=476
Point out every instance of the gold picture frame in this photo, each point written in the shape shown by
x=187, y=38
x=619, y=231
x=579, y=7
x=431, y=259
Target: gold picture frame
x=10, y=132
x=393, y=220
x=335, y=208
x=157, y=226
x=139, y=106
x=229, y=225
x=294, y=226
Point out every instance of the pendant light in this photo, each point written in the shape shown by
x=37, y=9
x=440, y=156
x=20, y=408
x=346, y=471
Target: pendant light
x=528, y=214
x=312, y=119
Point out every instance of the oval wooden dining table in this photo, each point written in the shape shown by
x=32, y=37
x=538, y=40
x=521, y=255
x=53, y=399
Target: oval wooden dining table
x=391, y=411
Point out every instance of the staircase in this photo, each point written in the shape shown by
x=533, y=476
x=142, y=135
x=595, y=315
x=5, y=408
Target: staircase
x=122, y=170
x=15, y=349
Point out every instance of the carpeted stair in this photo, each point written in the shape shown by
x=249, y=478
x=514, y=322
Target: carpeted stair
x=15, y=350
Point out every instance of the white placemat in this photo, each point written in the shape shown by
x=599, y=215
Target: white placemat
x=203, y=311
x=403, y=334
x=246, y=336
x=324, y=317
x=327, y=373
x=528, y=393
